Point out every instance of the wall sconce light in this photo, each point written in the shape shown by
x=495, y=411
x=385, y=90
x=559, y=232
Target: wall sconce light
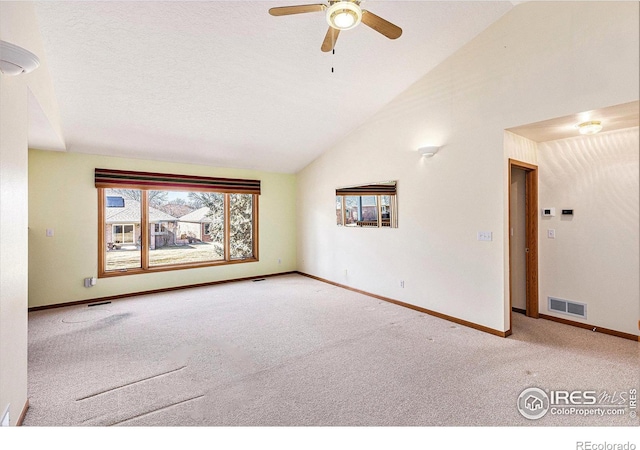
x=428, y=152
x=591, y=127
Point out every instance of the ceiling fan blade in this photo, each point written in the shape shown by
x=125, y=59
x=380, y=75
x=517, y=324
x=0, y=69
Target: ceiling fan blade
x=287, y=10
x=330, y=39
x=380, y=25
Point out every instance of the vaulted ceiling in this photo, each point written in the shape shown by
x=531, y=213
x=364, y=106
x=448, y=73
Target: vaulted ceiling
x=223, y=83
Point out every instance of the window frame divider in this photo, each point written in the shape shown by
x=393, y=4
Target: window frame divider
x=144, y=229
x=227, y=227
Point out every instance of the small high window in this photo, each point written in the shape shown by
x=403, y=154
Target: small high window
x=370, y=206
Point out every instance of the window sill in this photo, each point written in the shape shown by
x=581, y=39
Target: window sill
x=166, y=268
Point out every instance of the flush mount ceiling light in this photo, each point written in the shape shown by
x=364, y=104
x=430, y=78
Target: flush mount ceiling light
x=344, y=15
x=428, y=152
x=15, y=60
x=590, y=127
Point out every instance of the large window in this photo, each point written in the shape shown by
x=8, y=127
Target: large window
x=369, y=206
x=151, y=222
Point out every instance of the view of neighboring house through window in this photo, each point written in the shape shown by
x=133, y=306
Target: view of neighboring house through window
x=122, y=230
x=183, y=236
x=385, y=209
x=361, y=210
x=373, y=206
x=184, y=228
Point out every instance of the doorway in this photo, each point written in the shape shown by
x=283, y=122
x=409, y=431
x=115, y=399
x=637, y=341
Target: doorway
x=523, y=239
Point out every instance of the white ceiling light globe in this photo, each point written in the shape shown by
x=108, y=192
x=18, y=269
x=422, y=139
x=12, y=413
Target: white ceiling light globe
x=344, y=20
x=344, y=15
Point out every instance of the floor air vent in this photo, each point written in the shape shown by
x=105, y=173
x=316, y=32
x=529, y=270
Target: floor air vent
x=567, y=307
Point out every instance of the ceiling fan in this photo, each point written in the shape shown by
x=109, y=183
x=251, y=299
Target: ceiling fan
x=342, y=15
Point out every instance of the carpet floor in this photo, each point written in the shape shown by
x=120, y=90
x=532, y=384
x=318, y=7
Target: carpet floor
x=293, y=351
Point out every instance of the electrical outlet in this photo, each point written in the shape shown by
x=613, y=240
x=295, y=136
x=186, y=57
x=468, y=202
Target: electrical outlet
x=49, y=232
x=279, y=261
x=401, y=283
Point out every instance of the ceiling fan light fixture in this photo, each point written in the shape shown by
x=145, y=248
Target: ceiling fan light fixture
x=344, y=15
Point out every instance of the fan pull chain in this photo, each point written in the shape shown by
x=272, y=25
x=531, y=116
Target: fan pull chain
x=333, y=52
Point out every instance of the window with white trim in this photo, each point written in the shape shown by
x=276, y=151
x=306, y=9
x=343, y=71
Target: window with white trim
x=123, y=234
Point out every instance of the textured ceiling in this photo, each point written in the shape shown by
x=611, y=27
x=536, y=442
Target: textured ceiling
x=223, y=83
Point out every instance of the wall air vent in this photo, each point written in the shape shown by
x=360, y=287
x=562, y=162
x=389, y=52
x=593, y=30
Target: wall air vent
x=567, y=307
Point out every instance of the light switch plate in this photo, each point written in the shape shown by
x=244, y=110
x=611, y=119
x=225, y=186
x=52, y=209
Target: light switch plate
x=551, y=233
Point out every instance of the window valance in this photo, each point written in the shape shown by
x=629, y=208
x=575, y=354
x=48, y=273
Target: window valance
x=108, y=178
x=369, y=189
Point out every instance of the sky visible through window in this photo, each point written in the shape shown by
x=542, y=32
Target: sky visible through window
x=173, y=195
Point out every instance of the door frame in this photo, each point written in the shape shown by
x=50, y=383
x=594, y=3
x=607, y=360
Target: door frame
x=531, y=219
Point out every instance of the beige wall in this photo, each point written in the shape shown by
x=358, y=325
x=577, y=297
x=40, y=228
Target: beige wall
x=594, y=257
x=62, y=197
x=539, y=61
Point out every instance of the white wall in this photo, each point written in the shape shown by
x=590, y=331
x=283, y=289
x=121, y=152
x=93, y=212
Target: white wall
x=541, y=60
x=18, y=25
x=13, y=245
x=594, y=258
x=520, y=148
